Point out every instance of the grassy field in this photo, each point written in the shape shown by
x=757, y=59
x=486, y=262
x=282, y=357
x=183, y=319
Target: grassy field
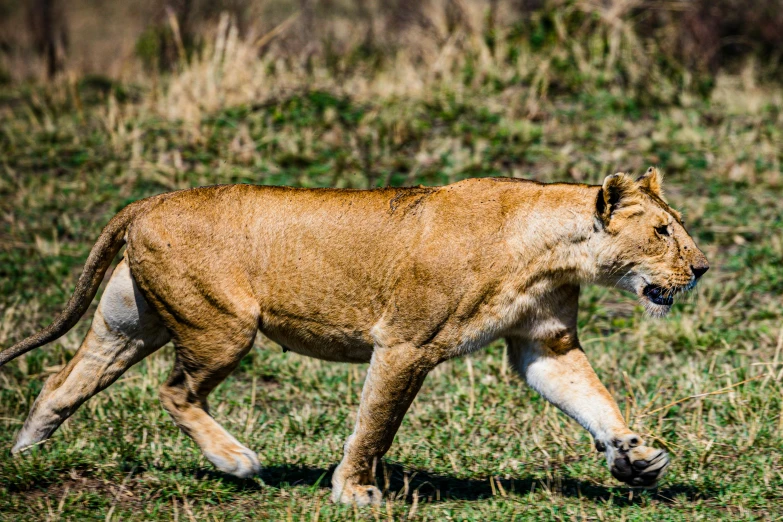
x=477, y=444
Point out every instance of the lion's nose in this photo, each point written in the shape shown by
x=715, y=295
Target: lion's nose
x=699, y=271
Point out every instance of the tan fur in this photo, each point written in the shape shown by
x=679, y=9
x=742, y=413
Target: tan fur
x=401, y=278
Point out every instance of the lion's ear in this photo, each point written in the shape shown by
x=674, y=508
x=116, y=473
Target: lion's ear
x=651, y=181
x=618, y=191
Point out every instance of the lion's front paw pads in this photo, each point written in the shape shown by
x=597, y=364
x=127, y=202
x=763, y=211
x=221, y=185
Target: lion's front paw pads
x=635, y=464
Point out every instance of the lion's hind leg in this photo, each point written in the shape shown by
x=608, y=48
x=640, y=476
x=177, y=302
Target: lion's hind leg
x=204, y=360
x=124, y=330
x=393, y=380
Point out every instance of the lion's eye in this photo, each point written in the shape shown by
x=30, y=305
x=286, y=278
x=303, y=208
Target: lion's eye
x=662, y=230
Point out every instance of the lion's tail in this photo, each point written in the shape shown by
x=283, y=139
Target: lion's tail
x=109, y=243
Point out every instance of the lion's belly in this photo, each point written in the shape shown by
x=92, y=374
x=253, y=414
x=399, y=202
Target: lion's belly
x=316, y=339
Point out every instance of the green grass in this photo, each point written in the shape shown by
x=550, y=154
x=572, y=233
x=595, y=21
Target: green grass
x=477, y=444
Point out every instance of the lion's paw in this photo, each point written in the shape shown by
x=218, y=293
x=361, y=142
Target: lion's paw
x=632, y=462
x=238, y=461
x=359, y=495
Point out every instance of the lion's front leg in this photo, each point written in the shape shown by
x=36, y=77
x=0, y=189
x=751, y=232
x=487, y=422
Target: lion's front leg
x=561, y=373
x=393, y=380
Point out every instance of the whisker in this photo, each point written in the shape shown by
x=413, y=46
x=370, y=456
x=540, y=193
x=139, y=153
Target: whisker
x=616, y=283
x=615, y=270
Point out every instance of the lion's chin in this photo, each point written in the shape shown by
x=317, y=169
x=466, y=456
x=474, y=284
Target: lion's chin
x=653, y=309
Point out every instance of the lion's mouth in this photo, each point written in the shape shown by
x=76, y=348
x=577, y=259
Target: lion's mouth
x=659, y=295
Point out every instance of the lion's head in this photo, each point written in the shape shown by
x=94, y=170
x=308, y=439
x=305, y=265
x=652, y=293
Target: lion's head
x=643, y=246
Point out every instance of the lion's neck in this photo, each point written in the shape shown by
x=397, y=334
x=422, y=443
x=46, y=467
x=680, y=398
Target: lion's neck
x=556, y=237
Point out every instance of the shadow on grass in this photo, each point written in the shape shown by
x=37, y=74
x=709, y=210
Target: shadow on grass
x=398, y=482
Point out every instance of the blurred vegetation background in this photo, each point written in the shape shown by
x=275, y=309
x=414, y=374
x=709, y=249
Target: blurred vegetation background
x=106, y=102
x=650, y=48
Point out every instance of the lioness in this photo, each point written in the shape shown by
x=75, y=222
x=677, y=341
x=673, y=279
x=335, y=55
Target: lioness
x=401, y=278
